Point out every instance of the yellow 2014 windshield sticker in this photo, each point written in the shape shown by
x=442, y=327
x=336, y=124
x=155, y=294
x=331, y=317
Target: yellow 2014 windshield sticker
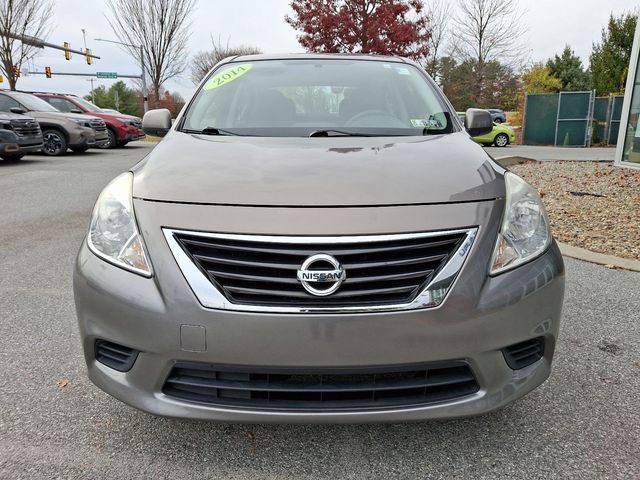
x=227, y=76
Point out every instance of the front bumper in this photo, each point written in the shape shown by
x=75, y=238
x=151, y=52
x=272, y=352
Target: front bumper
x=12, y=144
x=132, y=137
x=129, y=133
x=82, y=137
x=101, y=138
x=481, y=316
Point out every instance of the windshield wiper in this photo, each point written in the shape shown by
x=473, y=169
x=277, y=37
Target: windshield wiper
x=336, y=133
x=210, y=131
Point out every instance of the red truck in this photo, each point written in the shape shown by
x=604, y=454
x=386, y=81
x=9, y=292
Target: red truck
x=121, y=128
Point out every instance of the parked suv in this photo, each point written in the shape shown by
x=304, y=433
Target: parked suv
x=18, y=135
x=60, y=131
x=122, y=128
x=318, y=238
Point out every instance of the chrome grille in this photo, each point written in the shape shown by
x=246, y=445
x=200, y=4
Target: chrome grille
x=98, y=125
x=380, y=270
x=26, y=128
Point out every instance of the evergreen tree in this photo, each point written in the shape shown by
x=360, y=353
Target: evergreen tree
x=610, y=58
x=567, y=68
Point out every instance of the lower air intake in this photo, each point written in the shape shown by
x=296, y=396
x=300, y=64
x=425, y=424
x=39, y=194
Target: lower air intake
x=115, y=356
x=320, y=389
x=524, y=354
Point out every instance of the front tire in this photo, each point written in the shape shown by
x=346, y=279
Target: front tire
x=54, y=143
x=112, y=140
x=501, y=140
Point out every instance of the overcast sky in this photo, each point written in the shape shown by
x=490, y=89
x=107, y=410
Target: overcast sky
x=551, y=24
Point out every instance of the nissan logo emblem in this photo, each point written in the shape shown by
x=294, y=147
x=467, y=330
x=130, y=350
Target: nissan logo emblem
x=321, y=275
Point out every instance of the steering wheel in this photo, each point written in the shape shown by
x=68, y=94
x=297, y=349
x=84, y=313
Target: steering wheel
x=377, y=118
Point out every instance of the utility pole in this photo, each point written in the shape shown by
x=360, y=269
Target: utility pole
x=143, y=75
x=144, y=83
x=93, y=96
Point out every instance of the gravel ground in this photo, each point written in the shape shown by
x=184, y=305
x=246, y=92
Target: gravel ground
x=601, y=214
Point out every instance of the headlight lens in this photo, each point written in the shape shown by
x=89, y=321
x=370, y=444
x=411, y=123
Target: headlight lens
x=525, y=232
x=113, y=233
x=81, y=122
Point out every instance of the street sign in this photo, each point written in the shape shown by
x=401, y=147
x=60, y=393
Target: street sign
x=107, y=74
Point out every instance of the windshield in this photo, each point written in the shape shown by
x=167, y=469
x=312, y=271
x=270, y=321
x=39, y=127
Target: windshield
x=303, y=97
x=31, y=102
x=88, y=105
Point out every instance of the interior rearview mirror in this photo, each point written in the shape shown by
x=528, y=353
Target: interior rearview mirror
x=478, y=122
x=157, y=122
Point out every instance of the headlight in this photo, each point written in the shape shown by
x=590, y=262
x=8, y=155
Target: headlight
x=6, y=126
x=81, y=122
x=113, y=233
x=525, y=232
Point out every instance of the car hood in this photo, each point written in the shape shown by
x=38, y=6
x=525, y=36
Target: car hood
x=116, y=116
x=14, y=116
x=334, y=171
x=58, y=115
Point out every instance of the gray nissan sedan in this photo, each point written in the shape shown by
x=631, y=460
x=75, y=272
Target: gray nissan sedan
x=317, y=238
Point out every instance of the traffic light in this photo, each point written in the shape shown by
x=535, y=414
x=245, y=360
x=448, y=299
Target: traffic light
x=47, y=72
x=67, y=53
x=88, y=58
x=16, y=71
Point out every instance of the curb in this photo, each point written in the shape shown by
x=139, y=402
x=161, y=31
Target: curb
x=507, y=161
x=599, y=258
x=511, y=160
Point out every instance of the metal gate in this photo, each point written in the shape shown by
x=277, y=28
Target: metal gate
x=573, y=124
x=606, y=119
x=614, y=119
x=571, y=119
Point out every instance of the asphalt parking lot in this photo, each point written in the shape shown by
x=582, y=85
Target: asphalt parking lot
x=584, y=422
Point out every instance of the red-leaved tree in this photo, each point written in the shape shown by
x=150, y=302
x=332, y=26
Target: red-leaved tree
x=385, y=27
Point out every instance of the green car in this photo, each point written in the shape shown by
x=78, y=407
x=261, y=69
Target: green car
x=500, y=136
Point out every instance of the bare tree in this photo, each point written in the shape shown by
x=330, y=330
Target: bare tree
x=21, y=17
x=204, y=61
x=488, y=31
x=161, y=27
x=438, y=15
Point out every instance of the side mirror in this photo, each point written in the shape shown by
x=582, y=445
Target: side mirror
x=478, y=122
x=76, y=110
x=157, y=122
x=17, y=110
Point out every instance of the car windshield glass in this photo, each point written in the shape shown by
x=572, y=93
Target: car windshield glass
x=31, y=102
x=301, y=97
x=88, y=105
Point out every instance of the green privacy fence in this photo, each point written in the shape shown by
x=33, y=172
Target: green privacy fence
x=571, y=119
x=606, y=119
